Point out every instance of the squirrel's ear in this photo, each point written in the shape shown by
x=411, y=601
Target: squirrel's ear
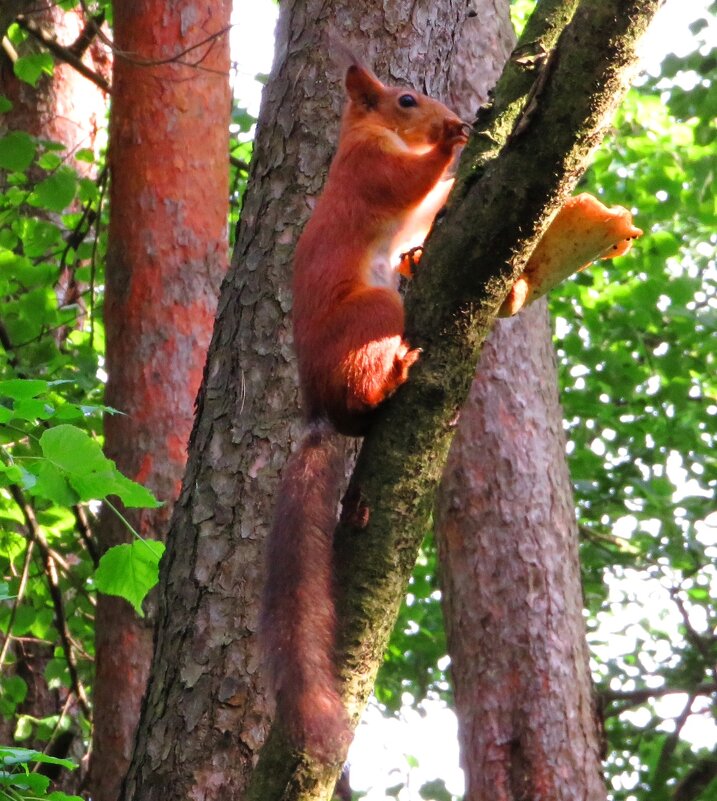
x=362, y=86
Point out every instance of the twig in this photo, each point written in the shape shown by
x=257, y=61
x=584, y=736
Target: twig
x=84, y=529
x=602, y=538
x=63, y=53
x=627, y=699
x=88, y=34
x=9, y=50
x=175, y=59
x=668, y=749
x=692, y=635
x=55, y=729
x=18, y=599
x=102, y=183
x=36, y=535
x=691, y=786
x=240, y=164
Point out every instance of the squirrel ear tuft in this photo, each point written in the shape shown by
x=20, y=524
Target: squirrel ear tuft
x=362, y=86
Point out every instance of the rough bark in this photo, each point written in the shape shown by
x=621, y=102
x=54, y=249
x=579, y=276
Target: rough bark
x=167, y=254
x=511, y=582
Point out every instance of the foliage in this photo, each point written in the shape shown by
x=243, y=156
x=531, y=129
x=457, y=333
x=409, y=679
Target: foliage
x=520, y=11
x=52, y=469
x=240, y=151
x=20, y=781
x=636, y=344
x=414, y=665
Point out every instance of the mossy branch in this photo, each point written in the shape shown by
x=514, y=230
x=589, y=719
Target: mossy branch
x=551, y=108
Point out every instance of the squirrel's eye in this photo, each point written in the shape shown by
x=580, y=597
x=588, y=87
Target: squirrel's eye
x=407, y=101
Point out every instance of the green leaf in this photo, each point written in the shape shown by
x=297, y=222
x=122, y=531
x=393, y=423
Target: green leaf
x=130, y=571
x=23, y=729
x=91, y=474
x=17, y=150
x=39, y=236
x=49, y=161
x=56, y=192
x=71, y=449
x=133, y=495
x=33, y=782
x=29, y=68
x=33, y=409
x=5, y=104
x=85, y=154
x=435, y=790
x=16, y=688
x=22, y=388
x=52, y=484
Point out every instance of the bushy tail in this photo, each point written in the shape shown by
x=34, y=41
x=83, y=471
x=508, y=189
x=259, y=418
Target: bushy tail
x=298, y=612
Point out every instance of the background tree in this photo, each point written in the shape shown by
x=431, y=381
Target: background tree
x=166, y=256
x=510, y=573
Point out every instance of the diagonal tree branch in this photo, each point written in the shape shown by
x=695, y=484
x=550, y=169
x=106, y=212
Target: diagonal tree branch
x=487, y=235
x=533, y=146
x=66, y=54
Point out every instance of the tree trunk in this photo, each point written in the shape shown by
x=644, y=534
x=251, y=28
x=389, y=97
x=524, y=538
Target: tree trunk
x=522, y=692
x=167, y=254
x=511, y=582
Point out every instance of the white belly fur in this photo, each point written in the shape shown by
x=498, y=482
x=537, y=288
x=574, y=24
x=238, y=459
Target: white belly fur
x=409, y=233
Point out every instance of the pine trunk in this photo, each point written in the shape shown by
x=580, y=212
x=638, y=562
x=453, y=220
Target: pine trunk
x=511, y=582
x=167, y=254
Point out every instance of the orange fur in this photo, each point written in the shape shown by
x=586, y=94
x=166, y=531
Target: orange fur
x=348, y=315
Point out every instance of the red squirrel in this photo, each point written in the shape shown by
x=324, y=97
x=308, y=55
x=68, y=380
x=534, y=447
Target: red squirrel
x=384, y=187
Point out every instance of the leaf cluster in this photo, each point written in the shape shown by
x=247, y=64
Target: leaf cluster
x=636, y=347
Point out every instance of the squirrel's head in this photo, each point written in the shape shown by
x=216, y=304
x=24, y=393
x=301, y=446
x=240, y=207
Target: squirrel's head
x=417, y=119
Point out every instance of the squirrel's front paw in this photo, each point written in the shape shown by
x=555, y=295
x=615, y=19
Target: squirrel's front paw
x=455, y=133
